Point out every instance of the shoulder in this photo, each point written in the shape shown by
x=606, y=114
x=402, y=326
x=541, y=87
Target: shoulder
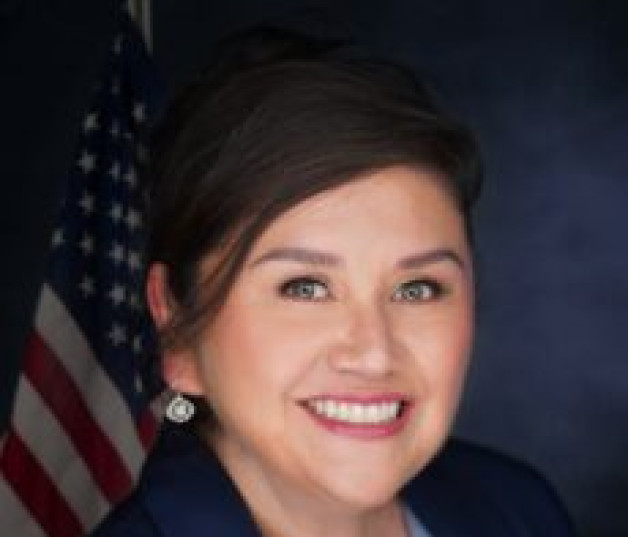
x=128, y=519
x=182, y=490
x=489, y=491
x=498, y=472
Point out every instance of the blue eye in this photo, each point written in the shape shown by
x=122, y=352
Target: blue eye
x=418, y=291
x=305, y=289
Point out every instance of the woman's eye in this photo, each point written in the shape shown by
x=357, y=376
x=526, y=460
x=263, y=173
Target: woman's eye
x=305, y=289
x=417, y=291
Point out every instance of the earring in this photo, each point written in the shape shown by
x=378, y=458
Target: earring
x=180, y=409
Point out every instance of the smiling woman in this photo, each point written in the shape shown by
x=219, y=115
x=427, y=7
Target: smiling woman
x=357, y=355
x=312, y=283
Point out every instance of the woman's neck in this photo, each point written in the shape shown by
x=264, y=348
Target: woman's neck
x=281, y=510
x=385, y=522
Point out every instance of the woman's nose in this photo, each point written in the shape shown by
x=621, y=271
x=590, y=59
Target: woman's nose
x=366, y=344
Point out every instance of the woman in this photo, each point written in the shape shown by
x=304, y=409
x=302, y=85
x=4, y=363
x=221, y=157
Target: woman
x=311, y=280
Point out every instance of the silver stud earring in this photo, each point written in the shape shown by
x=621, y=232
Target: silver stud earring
x=180, y=409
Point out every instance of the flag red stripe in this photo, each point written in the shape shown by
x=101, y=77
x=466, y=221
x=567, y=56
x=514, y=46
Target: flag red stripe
x=147, y=428
x=37, y=491
x=57, y=389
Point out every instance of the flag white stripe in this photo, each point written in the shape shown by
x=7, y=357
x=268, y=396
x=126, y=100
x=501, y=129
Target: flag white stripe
x=105, y=403
x=47, y=441
x=15, y=520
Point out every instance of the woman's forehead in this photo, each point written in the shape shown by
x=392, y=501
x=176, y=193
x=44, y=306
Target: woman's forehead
x=393, y=203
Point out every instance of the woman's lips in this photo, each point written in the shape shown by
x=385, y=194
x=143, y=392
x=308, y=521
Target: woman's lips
x=359, y=416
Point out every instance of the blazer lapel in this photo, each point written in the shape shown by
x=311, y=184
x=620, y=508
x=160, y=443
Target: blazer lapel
x=438, y=510
x=188, y=494
x=448, y=499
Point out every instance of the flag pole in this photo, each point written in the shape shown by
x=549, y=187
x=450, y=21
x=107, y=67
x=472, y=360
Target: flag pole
x=140, y=11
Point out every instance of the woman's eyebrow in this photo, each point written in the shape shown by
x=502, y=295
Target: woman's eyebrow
x=317, y=257
x=299, y=255
x=421, y=259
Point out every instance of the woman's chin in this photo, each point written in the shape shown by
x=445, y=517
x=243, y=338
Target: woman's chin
x=361, y=493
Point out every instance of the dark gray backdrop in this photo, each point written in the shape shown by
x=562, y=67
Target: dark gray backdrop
x=543, y=84
x=51, y=54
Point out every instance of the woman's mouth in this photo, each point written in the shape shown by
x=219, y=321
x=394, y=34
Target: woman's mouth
x=356, y=412
x=363, y=417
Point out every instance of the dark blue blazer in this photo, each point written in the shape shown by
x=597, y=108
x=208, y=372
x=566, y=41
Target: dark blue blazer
x=467, y=491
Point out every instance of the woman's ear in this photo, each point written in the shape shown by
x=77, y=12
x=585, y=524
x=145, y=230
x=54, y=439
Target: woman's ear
x=179, y=366
x=158, y=295
x=180, y=370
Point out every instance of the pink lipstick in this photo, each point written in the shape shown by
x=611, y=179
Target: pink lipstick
x=367, y=417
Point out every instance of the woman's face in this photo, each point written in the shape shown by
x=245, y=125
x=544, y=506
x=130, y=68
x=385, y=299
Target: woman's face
x=335, y=366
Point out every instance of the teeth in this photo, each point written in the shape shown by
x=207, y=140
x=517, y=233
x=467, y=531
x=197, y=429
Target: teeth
x=356, y=412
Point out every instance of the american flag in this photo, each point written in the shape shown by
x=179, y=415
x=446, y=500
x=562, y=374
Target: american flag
x=81, y=421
